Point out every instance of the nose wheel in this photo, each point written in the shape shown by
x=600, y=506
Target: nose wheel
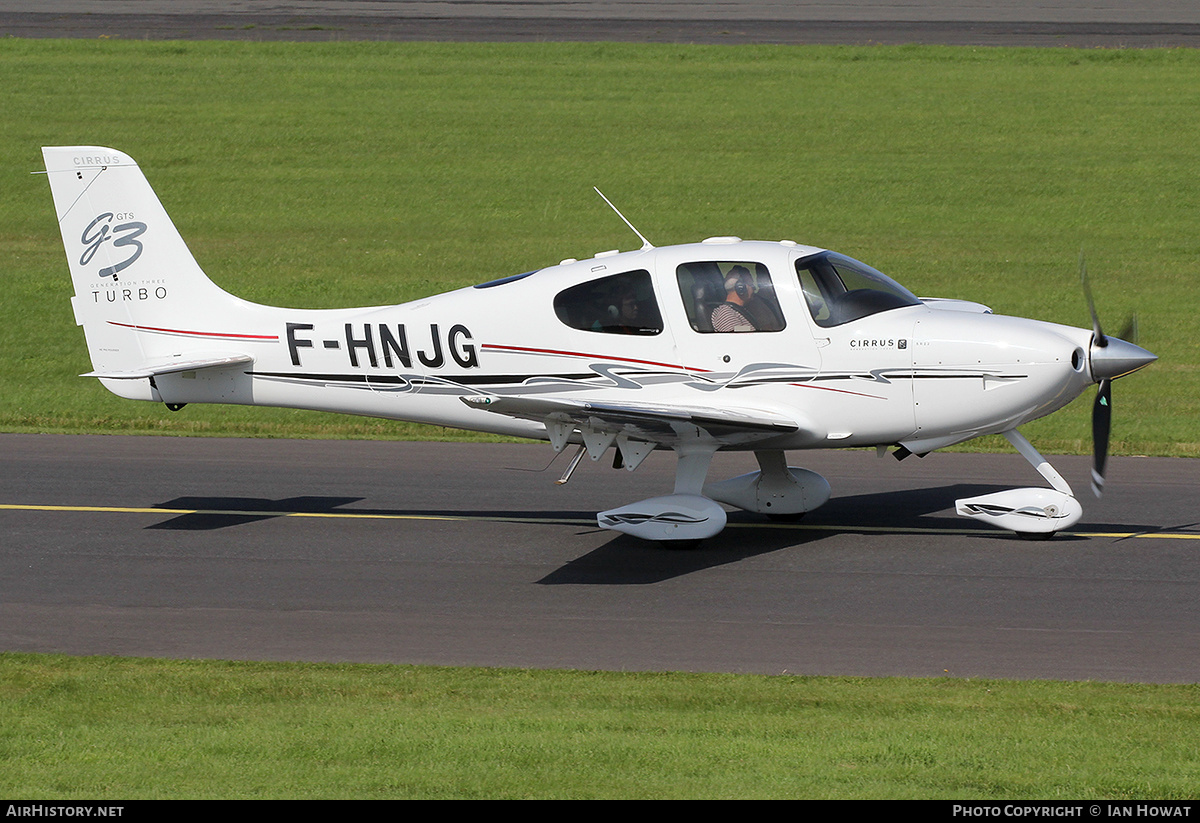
x=1033, y=513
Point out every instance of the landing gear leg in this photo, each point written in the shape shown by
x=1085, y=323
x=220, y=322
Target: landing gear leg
x=691, y=470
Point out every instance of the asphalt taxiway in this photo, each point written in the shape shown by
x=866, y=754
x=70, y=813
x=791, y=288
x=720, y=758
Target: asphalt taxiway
x=469, y=554
x=1090, y=24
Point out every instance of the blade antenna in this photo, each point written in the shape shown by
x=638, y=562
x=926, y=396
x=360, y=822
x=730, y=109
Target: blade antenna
x=646, y=244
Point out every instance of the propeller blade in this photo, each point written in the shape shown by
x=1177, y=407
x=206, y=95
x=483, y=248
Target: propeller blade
x=1108, y=358
x=1101, y=428
x=1098, y=339
x=1130, y=331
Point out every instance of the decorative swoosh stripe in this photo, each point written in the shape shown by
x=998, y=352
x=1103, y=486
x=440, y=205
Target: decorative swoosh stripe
x=561, y=353
x=397, y=379
x=543, y=384
x=218, y=335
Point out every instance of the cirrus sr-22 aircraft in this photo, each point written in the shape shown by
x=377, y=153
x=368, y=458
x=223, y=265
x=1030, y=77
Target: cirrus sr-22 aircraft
x=723, y=344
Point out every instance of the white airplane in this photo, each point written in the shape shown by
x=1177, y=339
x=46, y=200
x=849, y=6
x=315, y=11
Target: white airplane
x=718, y=345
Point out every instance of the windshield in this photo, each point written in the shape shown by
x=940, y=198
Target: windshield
x=839, y=290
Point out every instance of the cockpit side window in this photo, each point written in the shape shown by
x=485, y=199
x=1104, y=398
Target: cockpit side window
x=840, y=290
x=729, y=296
x=617, y=304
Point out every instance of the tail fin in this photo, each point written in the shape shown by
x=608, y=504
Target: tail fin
x=141, y=298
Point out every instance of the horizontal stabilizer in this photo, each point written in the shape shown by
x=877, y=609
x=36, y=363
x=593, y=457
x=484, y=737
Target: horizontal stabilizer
x=174, y=367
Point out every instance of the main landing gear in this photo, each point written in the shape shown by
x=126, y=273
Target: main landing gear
x=692, y=513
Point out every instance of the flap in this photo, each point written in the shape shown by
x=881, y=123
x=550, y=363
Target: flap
x=660, y=423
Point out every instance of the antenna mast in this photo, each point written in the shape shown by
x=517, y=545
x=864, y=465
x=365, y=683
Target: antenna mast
x=646, y=244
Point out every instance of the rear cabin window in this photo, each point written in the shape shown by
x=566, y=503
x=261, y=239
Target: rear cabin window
x=729, y=296
x=617, y=304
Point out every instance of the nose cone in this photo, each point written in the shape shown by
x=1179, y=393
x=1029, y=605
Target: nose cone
x=1117, y=358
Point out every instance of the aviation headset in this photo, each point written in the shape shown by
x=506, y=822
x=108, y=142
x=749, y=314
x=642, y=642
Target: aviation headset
x=736, y=282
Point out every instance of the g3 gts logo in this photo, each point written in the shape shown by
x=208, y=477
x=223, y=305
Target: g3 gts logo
x=100, y=230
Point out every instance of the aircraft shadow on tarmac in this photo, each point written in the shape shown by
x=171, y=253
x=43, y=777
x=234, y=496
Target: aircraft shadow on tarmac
x=896, y=509
x=624, y=560
x=208, y=513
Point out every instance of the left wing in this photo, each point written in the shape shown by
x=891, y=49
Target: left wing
x=638, y=428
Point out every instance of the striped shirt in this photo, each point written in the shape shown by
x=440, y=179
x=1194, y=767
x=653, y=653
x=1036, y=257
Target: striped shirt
x=728, y=317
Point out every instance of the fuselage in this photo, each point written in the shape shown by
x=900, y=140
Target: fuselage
x=639, y=327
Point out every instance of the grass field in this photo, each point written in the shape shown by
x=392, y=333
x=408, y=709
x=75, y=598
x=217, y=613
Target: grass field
x=101, y=728
x=324, y=175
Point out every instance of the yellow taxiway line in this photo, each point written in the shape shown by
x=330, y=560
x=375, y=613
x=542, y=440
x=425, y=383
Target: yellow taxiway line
x=1152, y=535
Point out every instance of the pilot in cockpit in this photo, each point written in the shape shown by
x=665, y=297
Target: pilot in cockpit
x=734, y=314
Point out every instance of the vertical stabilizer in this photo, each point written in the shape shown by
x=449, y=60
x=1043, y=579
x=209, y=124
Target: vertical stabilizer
x=139, y=293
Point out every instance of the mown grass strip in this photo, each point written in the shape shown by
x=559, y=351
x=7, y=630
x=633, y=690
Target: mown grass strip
x=101, y=728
